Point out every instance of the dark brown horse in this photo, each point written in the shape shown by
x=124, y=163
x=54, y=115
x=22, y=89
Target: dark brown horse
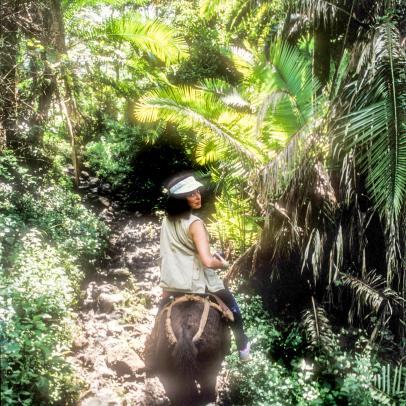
x=184, y=351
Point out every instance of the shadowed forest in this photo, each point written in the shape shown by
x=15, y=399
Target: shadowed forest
x=293, y=116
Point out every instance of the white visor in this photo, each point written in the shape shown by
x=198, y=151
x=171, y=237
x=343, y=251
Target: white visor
x=184, y=186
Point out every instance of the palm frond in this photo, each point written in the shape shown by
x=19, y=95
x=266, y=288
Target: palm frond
x=243, y=60
x=377, y=130
x=228, y=94
x=217, y=86
x=209, y=8
x=293, y=71
x=336, y=257
x=149, y=36
x=273, y=178
x=370, y=291
x=285, y=94
x=235, y=100
x=322, y=10
x=264, y=15
x=332, y=12
x=192, y=108
x=208, y=151
x=313, y=254
x=317, y=327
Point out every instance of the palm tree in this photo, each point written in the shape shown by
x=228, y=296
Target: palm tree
x=328, y=173
x=256, y=121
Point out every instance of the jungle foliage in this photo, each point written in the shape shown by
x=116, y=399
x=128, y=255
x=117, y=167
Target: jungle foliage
x=47, y=240
x=295, y=110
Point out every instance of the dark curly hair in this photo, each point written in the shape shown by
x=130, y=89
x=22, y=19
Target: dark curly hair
x=176, y=206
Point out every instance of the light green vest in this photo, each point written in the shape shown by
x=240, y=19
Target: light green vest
x=181, y=268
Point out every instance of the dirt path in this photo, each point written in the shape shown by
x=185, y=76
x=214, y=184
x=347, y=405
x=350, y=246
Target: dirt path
x=119, y=306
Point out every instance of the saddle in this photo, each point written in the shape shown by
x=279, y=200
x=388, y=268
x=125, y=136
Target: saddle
x=208, y=300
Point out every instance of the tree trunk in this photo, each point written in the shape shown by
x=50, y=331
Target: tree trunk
x=69, y=126
x=66, y=100
x=322, y=54
x=8, y=65
x=43, y=90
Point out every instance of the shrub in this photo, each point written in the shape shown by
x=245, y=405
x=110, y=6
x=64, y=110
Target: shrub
x=36, y=298
x=338, y=377
x=26, y=201
x=112, y=154
x=45, y=232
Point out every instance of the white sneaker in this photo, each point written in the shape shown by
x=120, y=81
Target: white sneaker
x=245, y=353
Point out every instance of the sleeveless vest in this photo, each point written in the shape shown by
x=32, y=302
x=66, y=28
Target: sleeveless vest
x=181, y=268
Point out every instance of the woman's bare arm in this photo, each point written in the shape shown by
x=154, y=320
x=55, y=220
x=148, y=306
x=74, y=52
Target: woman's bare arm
x=201, y=240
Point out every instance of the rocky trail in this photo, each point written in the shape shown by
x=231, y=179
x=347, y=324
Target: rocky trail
x=119, y=306
x=117, y=312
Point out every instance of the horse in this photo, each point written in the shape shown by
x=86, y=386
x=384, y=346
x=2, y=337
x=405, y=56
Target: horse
x=187, y=345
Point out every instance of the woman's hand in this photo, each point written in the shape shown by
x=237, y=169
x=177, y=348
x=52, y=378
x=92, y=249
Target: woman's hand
x=224, y=262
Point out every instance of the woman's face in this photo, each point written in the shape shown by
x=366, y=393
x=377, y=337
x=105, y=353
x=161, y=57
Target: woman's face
x=194, y=200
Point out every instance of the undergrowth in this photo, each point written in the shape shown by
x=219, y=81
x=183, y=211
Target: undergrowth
x=47, y=236
x=303, y=376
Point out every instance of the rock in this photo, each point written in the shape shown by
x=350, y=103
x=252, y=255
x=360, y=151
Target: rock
x=120, y=272
x=104, y=397
x=79, y=343
x=106, y=213
x=101, y=334
x=111, y=362
x=93, y=181
x=88, y=360
x=106, y=372
x=154, y=393
x=104, y=201
x=69, y=168
x=101, y=316
x=114, y=327
x=91, y=295
x=105, y=187
x=94, y=190
x=106, y=288
x=108, y=301
x=85, y=174
x=142, y=329
x=123, y=360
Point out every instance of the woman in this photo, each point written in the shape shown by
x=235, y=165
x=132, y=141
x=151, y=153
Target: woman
x=187, y=265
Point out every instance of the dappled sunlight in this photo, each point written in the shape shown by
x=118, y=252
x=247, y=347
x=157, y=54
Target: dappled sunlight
x=289, y=119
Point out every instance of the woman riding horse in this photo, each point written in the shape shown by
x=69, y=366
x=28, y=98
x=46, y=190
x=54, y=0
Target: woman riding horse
x=179, y=350
x=187, y=265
